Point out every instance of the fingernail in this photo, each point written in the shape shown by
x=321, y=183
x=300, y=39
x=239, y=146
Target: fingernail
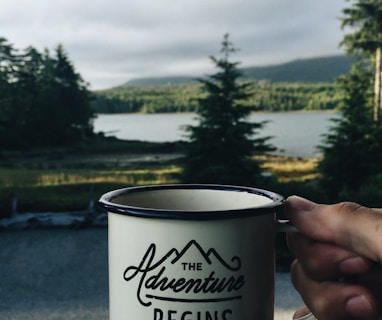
x=359, y=306
x=300, y=204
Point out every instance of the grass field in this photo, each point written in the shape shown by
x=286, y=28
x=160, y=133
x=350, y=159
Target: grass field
x=57, y=185
x=290, y=169
x=67, y=179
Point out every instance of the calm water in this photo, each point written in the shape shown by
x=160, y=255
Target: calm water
x=294, y=133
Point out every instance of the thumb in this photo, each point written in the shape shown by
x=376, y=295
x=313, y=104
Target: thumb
x=346, y=224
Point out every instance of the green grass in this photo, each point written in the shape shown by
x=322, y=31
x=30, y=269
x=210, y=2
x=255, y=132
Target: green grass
x=14, y=178
x=73, y=189
x=290, y=169
x=39, y=190
x=67, y=179
x=66, y=189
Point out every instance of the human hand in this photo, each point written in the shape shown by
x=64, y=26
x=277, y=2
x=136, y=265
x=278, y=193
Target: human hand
x=339, y=253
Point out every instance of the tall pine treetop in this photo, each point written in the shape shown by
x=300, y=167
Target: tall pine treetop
x=222, y=145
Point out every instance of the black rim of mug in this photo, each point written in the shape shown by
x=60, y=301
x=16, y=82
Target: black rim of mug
x=106, y=202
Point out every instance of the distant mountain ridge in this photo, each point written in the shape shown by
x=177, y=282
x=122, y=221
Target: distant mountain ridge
x=319, y=69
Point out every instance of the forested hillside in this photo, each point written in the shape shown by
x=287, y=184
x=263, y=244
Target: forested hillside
x=298, y=85
x=183, y=98
x=321, y=69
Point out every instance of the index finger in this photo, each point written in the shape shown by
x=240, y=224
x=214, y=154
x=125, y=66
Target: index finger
x=348, y=225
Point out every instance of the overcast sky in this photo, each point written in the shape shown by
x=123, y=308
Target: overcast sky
x=113, y=41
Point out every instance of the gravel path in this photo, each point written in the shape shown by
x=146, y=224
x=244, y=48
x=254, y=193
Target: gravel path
x=62, y=274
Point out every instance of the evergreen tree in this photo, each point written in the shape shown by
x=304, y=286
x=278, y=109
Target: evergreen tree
x=366, y=17
x=43, y=100
x=8, y=108
x=6, y=61
x=221, y=146
x=27, y=97
x=352, y=149
x=7, y=57
x=67, y=100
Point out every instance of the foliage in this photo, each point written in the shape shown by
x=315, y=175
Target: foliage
x=352, y=149
x=43, y=101
x=365, y=16
x=222, y=143
x=166, y=98
x=294, y=96
x=264, y=96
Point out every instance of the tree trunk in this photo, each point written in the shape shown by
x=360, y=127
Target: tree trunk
x=377, y=86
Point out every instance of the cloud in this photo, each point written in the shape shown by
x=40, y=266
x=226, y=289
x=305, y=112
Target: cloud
x=112, y=41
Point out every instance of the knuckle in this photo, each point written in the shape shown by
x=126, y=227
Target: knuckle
x=352, y=208
x=348, y=207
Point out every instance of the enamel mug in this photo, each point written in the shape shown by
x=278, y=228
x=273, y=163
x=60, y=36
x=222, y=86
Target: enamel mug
x=191, y=252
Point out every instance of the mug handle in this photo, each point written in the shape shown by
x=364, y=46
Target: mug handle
x=285, y=226
x=309, y=316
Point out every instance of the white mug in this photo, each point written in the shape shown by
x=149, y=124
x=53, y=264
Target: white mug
x=191, y=252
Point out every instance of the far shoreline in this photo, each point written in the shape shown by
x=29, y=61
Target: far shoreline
x=253, y=112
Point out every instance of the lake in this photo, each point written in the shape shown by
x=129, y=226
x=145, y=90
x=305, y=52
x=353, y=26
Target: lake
x=294, y=133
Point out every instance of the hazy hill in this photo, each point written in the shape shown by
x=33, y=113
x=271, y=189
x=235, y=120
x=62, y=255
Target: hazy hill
x=320, y=69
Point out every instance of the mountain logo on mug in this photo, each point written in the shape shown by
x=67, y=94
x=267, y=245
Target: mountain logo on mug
x=189, y=275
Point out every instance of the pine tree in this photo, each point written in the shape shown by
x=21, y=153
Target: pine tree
x=365, y=16
x=9, y=112
x=353, y=148
x=70, y=104
x=222, y=144
x=43, y=100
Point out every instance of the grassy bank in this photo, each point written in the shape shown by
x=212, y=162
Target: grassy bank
x=67, y=180
x=57, y=180
x=289, y=169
